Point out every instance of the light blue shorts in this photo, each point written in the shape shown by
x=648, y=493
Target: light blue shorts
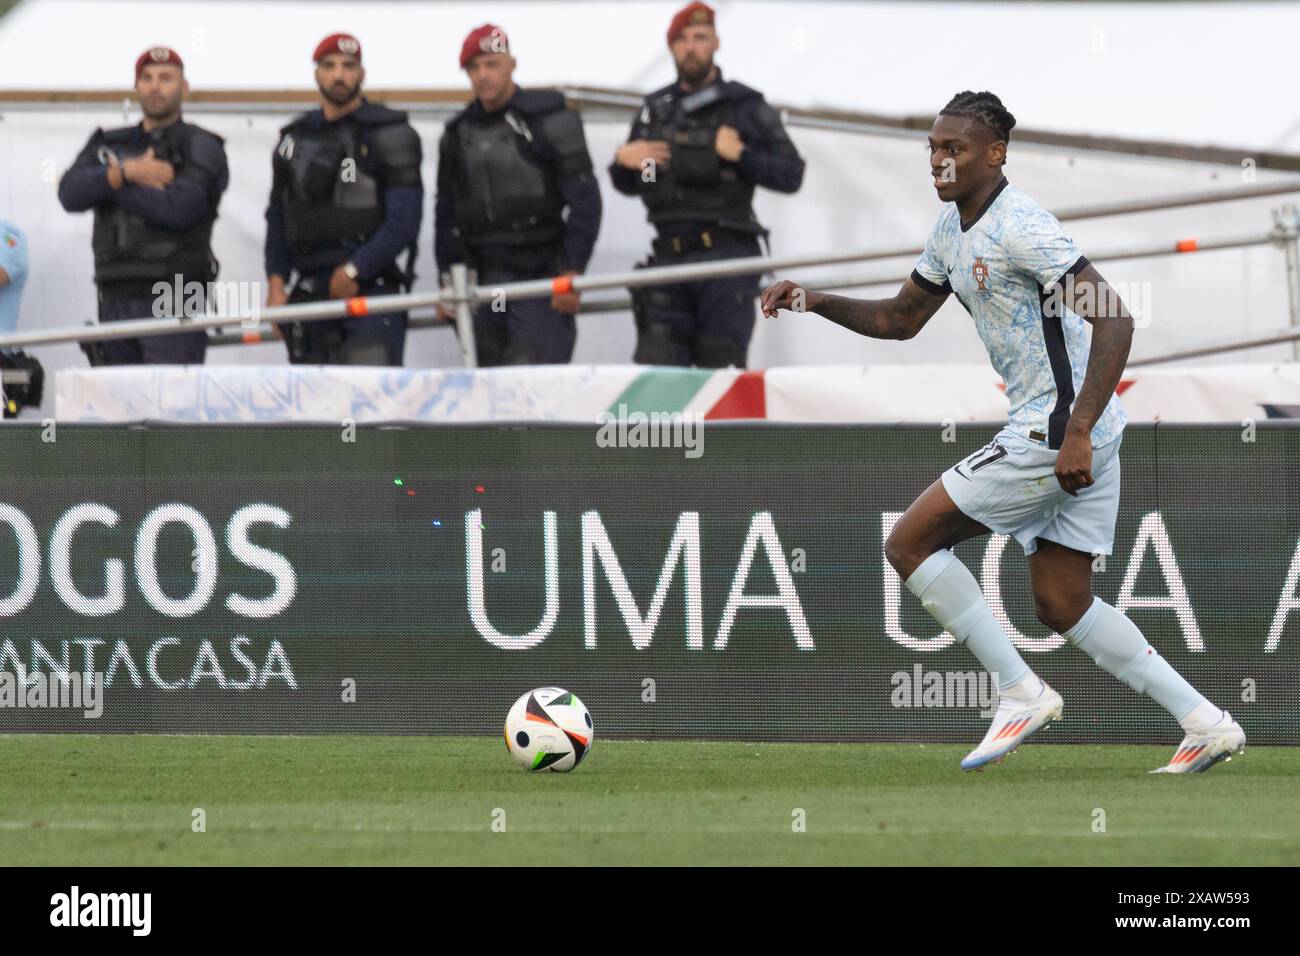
x=1010, y=487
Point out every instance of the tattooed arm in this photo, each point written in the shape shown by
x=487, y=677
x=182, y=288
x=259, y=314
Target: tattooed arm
x=898, y=318
x=1089, y=297
x=1112, y=334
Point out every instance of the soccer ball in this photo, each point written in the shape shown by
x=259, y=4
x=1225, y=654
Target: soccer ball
x=549, y=729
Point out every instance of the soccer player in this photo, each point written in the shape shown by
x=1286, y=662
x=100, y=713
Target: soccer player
x=1029, y=291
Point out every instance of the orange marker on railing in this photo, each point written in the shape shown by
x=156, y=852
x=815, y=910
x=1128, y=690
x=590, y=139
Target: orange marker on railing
x=358, y=305
x=1185, y=245
x=562, y=285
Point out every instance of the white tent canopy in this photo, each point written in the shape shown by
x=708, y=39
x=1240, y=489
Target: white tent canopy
x=1195, y=73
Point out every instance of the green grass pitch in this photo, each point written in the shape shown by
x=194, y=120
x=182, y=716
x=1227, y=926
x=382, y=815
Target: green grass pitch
x=122, y=800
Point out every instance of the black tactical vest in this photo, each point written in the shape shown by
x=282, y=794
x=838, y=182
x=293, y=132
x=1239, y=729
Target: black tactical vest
x=696, y=185
x=333, y=200
x=129, y=249
x=505, y=195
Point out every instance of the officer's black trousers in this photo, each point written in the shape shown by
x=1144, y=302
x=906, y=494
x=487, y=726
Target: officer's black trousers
x=181, y=348
x=707, y=323
x=362, y=340
x=523, y=331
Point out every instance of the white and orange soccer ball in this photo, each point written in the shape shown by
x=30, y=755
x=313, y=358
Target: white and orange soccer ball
x=549, y=729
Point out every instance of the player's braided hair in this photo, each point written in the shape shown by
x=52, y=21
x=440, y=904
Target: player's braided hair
x=984, y=107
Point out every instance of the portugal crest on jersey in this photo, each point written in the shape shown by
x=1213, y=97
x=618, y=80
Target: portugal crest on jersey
x=981, y=273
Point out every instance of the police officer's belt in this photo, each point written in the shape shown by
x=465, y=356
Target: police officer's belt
x=678, y=245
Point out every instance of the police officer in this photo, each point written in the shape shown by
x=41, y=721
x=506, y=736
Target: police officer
x=697, y=150
x=346, y=202
x=510, y=166
x=154, y=188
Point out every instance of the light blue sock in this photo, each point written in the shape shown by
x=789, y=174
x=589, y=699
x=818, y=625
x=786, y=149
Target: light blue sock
x=1114, y=642
x=952, y=596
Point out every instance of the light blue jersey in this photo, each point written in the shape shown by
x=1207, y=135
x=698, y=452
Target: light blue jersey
x=1001, y=267
x=13, y=259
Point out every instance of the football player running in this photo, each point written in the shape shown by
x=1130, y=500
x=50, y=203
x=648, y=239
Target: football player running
x=1051, y=477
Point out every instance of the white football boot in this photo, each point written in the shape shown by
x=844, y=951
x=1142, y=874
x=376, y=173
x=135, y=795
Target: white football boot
x=1202, y=750
x=1018, y=715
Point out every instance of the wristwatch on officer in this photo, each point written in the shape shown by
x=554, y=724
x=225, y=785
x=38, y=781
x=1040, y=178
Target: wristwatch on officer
x=350, y=271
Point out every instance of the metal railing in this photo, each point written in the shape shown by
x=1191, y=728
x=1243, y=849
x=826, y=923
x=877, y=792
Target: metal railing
x=1218, y=348
x=616, y=105
x=461, y=294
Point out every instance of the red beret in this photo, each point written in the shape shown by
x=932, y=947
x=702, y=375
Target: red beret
x=692, y=15
x=486, y=39
x=157, y=54
x=344, y=43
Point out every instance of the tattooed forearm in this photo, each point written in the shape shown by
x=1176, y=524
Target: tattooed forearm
x=870, y=317
x=1112, y=336
x=898, y=318
x=1111, y=339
